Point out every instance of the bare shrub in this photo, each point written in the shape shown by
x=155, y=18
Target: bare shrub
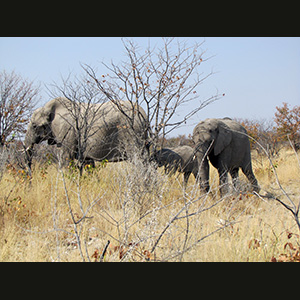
x=17, y=100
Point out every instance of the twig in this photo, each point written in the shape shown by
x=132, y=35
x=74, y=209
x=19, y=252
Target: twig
x=187, y=215
x=104, y=251
x=294, y=211
x=201, y=239
x=71, y=211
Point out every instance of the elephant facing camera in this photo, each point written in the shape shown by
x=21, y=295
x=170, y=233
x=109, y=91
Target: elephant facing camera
x=226, y=145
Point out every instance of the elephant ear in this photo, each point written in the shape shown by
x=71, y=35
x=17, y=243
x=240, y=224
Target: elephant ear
x=223, y=138
x=49, y=110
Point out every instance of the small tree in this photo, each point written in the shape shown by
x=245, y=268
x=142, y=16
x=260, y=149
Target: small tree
x=288, y=123
x=162, y=81
x=17, y=100
x=83, y=107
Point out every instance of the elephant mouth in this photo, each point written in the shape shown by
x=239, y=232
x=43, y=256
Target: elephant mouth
x=205, y=147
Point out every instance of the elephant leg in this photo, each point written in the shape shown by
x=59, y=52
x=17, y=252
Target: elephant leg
x=186, y=178
x=235, y=175
x=64, y=157
x=223, y=181
x=195, y=173
x=249, y=174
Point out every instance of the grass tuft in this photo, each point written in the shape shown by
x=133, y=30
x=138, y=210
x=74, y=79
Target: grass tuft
x=144, y=215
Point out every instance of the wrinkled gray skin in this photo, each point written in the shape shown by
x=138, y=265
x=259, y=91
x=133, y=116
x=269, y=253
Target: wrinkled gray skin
x=109, y=134
x=177, y=159
x=225, y=143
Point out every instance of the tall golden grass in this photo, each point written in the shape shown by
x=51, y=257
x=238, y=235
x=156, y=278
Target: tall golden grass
x=146, y=216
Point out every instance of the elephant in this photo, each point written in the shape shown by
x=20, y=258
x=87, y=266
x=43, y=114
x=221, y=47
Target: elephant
x=179, y=159
x=103, y=131
x=226, y=144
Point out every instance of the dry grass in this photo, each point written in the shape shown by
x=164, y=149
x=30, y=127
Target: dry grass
x=132, y=208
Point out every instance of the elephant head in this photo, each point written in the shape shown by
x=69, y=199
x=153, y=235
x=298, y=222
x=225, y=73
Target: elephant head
x=168, y=158
x=39, y=128
x=211, y=136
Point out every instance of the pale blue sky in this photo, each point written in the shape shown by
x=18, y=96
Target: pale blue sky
x=256, y=74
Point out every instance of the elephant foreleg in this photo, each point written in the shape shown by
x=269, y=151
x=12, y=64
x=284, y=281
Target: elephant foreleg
x=235, y=175
x=223, y=181
x=186, y=178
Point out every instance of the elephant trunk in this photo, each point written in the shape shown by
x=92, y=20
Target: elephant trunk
x=203, y=173
x=202, y=158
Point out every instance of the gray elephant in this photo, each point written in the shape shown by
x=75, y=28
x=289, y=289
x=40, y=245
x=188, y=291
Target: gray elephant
x=102, y=130
x=179, y=159
x=226, y=144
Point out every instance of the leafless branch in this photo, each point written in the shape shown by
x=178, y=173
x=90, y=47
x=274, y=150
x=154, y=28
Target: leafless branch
x=104, y=251
x=84, y=106
x=292, y=207
x=160, y=80
x=17, y=100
